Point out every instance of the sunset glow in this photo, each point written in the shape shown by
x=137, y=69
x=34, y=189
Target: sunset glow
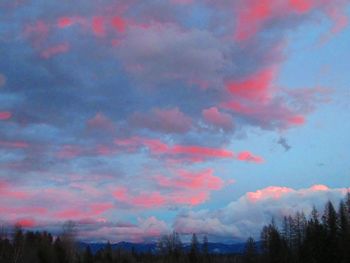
x=136, y=118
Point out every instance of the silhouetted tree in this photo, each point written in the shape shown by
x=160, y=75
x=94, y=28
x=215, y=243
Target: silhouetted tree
x=312, y=250
x=250, y=254
x=170, y=247
x=194, y=254
x=18, y=244
x=330, y=223
x=205, y=250
x=88, y=257
x=344, y=232
x=274, y=247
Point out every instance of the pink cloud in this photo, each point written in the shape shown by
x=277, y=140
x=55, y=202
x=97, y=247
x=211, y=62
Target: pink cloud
x=104, y=150
x=100, y=121
x=253, y=15
x=155, y=200
x=8, y=191
x=121, y=194
x=98, y=26
x=181, y=188
x=70, y=214
x=258, y=101
x=143, y=200
x=163, y=120
x=55, y=50
x=251, y=18
x=149, y=200
x=89, y=211
x=37, y=32
x=14, y=144
x=274, y=192
x=65, y=22
x=274, y=114
x=203, y=180
x=201, y=151
x=255, y=88
x=247, y=215
x=301, y=6
x=157, y=147
x=340, y=21
x=192, y=199
x=296, y=120
x=119, y=24
x=319, y=187
x=249, y=157
x=218, y=119
x=5, y=115
x=69, y=151
x=26, y=223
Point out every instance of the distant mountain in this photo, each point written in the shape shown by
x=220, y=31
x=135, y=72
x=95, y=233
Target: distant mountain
x=216, y=248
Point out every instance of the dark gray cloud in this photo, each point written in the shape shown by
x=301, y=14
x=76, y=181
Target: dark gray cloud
x=283, y=142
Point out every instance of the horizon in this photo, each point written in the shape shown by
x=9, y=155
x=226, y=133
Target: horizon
x=136, y=119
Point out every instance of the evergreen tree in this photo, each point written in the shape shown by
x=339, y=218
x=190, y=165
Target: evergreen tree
x=60, y=251
x=344, y=232
x=18, y=244
x=250, y=251
x=193, y=255
x=312, y=250
x=205, y=249
x=108, y=257
x=274, y=248
x=330, y=223
x=88, y=256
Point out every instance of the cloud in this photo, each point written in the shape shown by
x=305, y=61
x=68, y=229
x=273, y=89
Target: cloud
x=5, y=115
x=283, y=142
x=101, y=122
x=146, y=229
x=54, y=50
x=204, y=180
x=247, y=215
x=218, y=119
x=161, y=53
x=2, y=80
x=192, y=153
x=14, y=144
x=180, y=187
x=249, y=157
x=163, y=120
x=117, y=94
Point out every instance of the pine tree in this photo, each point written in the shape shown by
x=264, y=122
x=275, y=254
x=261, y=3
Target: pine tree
x=344, y=232
x=274, y=247
x=88, y=256
x=250, y=251
x=108, y=253
x=193, y=255
x=18, y=244
x=313, y=246
x=330, y=223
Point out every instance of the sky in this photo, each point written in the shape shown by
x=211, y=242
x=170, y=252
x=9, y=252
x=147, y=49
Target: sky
x=137, y=118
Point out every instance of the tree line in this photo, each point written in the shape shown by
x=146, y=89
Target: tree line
x=297, y=239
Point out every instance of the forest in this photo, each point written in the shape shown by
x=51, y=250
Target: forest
x=298, y=238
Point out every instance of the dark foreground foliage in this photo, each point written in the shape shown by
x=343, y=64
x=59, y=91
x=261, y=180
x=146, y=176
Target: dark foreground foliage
x=316, y=239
